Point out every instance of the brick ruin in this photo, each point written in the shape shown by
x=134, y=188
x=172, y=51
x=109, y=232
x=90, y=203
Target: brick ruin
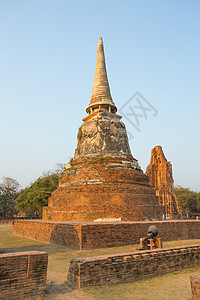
x=23, y=274
x=103, y=181
x=159, y=172
x=132, y=266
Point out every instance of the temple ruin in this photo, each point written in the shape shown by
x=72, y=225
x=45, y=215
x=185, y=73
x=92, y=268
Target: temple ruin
x=159, y=172
x=103, y=181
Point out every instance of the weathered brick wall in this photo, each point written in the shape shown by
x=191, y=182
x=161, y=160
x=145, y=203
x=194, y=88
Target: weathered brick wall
x=23, y=274
x=68, y=234
x=100, y=235
x=195, y=286
x=132, y=266
x=127, y=233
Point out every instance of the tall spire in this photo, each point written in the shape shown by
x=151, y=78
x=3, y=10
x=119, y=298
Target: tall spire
x=101, y=90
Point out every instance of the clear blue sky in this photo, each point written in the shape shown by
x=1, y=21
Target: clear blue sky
x=47, y=64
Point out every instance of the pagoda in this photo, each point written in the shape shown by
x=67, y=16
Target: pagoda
x=103, y=182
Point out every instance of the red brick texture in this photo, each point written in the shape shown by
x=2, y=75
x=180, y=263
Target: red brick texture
x=23, y=274
x=195, y=286
x=132, y=266
x=101, y=235
x=106, y=187
x=68, y=234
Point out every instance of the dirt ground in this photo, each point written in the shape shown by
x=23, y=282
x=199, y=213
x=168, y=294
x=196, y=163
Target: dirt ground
x=171, y=286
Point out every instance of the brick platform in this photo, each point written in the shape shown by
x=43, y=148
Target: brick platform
x=101, y=235
x=195, y=286
x=132, y=266
x=23, y=274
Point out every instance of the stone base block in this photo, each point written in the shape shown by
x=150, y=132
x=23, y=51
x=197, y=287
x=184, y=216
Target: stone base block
x=101, y=235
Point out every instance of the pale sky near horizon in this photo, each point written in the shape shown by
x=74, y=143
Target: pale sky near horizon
x=47, y=65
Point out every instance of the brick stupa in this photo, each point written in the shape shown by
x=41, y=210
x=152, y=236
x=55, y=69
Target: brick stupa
x=159, y=172
x=103, y=181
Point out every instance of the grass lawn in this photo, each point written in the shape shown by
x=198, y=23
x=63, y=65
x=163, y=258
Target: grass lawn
x=174, y=285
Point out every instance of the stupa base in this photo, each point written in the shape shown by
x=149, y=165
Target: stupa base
x=92, y=235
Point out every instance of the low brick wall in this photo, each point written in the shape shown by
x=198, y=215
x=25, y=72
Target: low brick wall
x=23, y=274
x=195, y=286
x=100, y=235
x=132, y=266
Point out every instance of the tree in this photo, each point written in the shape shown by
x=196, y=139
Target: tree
x=32, y=199
x=198, y=202
x=190, y=200
x=59, y=168
x=9, y=191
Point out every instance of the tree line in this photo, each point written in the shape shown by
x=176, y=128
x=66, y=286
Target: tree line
x=189, y=200
x=30, y=200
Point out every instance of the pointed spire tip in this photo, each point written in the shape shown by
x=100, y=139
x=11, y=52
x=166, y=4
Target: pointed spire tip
x=100, y=38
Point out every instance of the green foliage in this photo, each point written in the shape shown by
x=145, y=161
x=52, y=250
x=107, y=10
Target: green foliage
x=80, y=134
x=32, y=199
x=198, y=202
x=189, y=200
x=71, y=168
x=9, y=191
x=100, y=160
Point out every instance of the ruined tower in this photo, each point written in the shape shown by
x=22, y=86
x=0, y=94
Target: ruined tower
x=103, y=181
x=159, y=172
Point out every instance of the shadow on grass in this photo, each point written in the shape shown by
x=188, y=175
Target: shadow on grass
x=50, y=248
x=54, y=288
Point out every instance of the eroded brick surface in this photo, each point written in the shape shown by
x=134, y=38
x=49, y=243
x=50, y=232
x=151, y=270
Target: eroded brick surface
x=23, y=274
x=68, y=234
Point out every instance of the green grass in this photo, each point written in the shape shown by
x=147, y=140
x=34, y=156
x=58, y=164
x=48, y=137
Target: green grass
x=171, y=286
